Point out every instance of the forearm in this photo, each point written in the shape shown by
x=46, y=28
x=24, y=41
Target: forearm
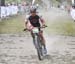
x=42, y=21
x=26, y=22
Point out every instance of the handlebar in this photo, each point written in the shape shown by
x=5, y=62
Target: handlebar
x=43, y=26
x=38, y=27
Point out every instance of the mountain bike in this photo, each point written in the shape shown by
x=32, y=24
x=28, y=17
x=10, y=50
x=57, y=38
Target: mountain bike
x=38, y=42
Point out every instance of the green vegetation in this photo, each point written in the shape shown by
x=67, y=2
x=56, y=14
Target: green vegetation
x=9, y=1
x=12, y=25
x=62, y=27
x=17, y=1
x=16, y=25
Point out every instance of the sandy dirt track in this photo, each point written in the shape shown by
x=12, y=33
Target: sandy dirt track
x=19, y=49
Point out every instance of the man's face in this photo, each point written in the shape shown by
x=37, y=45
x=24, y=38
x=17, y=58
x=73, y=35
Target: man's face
x=33, y=13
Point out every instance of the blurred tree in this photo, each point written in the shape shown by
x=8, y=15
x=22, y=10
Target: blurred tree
x=2, y=2
x=37, y=1
x=68, y=1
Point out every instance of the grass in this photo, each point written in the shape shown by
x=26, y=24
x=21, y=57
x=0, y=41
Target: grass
x=62, y=27
x=16, y=25
x=12, y=25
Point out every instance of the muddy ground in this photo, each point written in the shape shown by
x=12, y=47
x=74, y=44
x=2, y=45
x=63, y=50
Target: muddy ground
x=19, y=48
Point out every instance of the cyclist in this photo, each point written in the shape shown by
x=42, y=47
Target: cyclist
x=34, y=20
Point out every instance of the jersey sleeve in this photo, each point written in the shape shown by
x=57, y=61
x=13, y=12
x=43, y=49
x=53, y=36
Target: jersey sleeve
x=41, y=19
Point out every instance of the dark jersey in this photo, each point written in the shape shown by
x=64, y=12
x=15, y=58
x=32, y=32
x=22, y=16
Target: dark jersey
x=34, y=20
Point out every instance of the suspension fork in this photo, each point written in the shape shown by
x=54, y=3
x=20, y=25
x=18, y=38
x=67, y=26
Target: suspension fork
x=35, y=42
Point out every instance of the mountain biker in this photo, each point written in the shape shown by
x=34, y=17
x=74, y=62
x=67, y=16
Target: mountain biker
x=34, y=20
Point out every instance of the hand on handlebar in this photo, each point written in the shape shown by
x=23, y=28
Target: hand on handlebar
x=44, y=26
x=25, y=29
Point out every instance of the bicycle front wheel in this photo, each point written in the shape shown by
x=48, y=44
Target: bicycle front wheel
x=39, y=49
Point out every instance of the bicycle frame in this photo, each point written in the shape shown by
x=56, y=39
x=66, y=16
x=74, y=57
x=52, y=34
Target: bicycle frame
x=37, y=42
